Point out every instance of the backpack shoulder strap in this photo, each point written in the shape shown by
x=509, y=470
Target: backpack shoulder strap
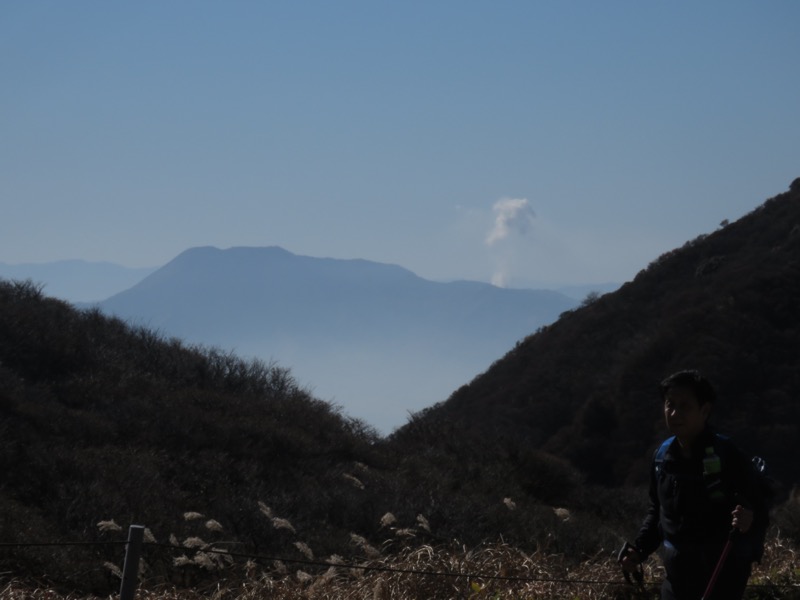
x=754, y=466
x=724, y=448
x=660, y=453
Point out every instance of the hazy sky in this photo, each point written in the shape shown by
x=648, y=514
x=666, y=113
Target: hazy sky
x=514, y=141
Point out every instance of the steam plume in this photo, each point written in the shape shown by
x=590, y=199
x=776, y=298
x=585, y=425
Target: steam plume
x=511, y=215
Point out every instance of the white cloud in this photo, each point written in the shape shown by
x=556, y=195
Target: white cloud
x=512, y=215
x=513, y=219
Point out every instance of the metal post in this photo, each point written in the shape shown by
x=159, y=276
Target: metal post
x=130, y=572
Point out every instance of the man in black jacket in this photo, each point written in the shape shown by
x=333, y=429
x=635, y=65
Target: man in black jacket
x=703, y=493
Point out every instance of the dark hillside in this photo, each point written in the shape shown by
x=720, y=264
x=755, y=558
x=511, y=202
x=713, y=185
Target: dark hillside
x=585, y=388
x=102, y=421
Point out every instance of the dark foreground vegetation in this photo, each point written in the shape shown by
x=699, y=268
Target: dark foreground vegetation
x=496, y=571
x=537, y=466
x=102, y=422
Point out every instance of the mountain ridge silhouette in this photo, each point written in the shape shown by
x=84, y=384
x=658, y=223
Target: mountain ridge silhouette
x=337, y=321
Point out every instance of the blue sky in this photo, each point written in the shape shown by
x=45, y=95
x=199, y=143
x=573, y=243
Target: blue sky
x=521, y=142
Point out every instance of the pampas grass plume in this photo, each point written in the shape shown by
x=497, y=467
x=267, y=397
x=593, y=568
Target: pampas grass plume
x=355, y=481
x=109, y=525
x=182, y=561
x=115, y=570
x=148, y=536
x=280, y=567
x=562, y=513
x=205, y=561
x=279, y=523
x=388, y=519
x=406, y=532
x=423, y=522
x=305, y=550
x=214, y=525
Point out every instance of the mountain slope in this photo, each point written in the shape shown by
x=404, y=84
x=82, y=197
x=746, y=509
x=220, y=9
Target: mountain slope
x=102, y=422
x=585, y=388
x=376, y=337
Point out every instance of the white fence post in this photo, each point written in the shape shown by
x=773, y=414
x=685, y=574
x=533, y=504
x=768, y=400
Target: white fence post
x=130, y=571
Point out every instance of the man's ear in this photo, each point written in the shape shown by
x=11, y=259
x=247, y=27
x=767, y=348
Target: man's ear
x=705, y=410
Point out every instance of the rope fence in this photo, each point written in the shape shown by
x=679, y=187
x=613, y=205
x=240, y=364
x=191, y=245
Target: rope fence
x=135, y=543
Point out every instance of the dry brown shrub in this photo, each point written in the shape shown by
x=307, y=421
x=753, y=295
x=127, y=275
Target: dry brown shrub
x=779, y=568
x=454, y=571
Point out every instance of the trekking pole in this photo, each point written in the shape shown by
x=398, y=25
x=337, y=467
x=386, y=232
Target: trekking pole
x=720, y=563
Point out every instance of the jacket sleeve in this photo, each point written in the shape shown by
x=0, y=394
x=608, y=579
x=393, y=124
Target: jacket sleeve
x=649, y=538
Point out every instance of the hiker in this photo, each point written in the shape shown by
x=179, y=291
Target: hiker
x=703, y=493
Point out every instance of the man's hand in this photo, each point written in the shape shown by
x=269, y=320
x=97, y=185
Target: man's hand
x=742, y=518
x=630, y=559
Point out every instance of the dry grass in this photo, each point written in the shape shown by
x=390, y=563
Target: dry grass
x=495, y=571
x=780, y=568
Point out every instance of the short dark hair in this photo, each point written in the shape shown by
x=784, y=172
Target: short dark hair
x=695, y=381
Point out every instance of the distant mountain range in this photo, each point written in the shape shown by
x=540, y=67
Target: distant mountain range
x=374, y=338
x=84, y=282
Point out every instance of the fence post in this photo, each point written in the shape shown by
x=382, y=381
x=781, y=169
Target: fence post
x=130, y=571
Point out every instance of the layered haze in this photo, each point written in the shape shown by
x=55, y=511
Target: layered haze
x=77, y=280
x=374, y=338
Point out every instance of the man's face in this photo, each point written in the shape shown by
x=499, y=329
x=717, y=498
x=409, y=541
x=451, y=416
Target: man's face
x=685, y=417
